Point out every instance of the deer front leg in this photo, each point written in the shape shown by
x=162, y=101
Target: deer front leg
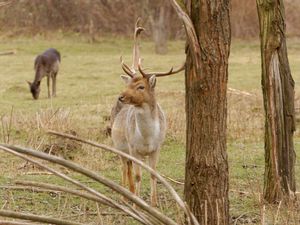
x=137, y=177
x=54, y=85
x=129, y=176
x=153, y=159
x=124, y=171
x=48, y=85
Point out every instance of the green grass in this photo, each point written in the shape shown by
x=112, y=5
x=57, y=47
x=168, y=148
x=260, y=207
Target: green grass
x=88, y=83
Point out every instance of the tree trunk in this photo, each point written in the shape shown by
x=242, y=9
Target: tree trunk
x=208, y=47
x=160, y=31
x=159, y=18
x=278, y=93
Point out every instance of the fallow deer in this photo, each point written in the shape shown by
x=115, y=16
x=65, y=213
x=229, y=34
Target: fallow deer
x=45, y=64
x=138, y=122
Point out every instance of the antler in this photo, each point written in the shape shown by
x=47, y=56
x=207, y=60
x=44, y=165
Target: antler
x=159, y=74
x=126, y=68
x=136, y=52
x=136, y=60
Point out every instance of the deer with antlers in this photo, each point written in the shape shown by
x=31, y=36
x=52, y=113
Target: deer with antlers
x=138, y=122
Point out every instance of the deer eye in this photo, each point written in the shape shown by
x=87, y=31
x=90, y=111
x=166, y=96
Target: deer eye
x=141, y=88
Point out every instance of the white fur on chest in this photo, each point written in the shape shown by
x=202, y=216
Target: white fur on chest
x=146, y=144
x=147, y=132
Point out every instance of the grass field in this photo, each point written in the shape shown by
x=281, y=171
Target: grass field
x=88, y=84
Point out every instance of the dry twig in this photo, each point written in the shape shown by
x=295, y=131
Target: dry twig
x=171, y=179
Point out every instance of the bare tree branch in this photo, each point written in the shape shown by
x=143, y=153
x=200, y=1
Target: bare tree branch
x=15, y=223
x=190, y=31
x=63, y=189
x=43, y=219
x=104, y=198
x=139, y=162
x=112, y=185
x=77, y=193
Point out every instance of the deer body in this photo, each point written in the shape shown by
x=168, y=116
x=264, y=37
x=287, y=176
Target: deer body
x=139, y=130
x=45, y=64
x=138, y=124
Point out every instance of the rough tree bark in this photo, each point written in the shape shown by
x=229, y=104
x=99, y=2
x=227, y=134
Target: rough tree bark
x=207, y=25
x=278, y=93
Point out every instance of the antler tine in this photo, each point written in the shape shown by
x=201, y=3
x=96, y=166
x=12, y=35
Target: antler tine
x=141, y=70
x=126, y=68
x=136, y=50
x=170, y=72
x=160, y=74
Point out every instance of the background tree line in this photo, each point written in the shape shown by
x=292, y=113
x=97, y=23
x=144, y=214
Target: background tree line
x=102, y=17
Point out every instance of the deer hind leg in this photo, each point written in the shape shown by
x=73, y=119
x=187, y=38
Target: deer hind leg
x=54, y=84
x=48, y=85
x=153, y=159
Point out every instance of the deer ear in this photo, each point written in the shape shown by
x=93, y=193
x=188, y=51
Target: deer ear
x=28, y=82
x=126, y=78
x=152, y=81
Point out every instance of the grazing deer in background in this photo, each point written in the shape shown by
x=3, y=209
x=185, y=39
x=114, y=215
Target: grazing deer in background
x=138, y=122
x=45, y=64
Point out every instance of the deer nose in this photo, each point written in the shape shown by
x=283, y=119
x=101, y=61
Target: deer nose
x=121, y=98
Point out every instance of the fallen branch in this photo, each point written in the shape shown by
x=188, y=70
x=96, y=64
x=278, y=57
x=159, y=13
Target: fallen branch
x=236, y=220
x=152, y=211
x=139, y=162
x=239, y=92
x=2, y=222
x=66, y=190
x=37, y=173
x=105, y=199
x=20, y=188
x=12, y=52
x=43, y=219
x=171, y=179
x=97, y=213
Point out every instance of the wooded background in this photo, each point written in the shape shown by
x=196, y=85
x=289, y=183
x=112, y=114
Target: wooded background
x=104, y=17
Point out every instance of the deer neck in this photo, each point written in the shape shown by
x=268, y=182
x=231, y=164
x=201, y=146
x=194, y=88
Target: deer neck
x=38, y=76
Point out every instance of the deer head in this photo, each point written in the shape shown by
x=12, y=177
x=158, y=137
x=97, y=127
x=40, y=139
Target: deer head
x=140, y=89
x=34, y=89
